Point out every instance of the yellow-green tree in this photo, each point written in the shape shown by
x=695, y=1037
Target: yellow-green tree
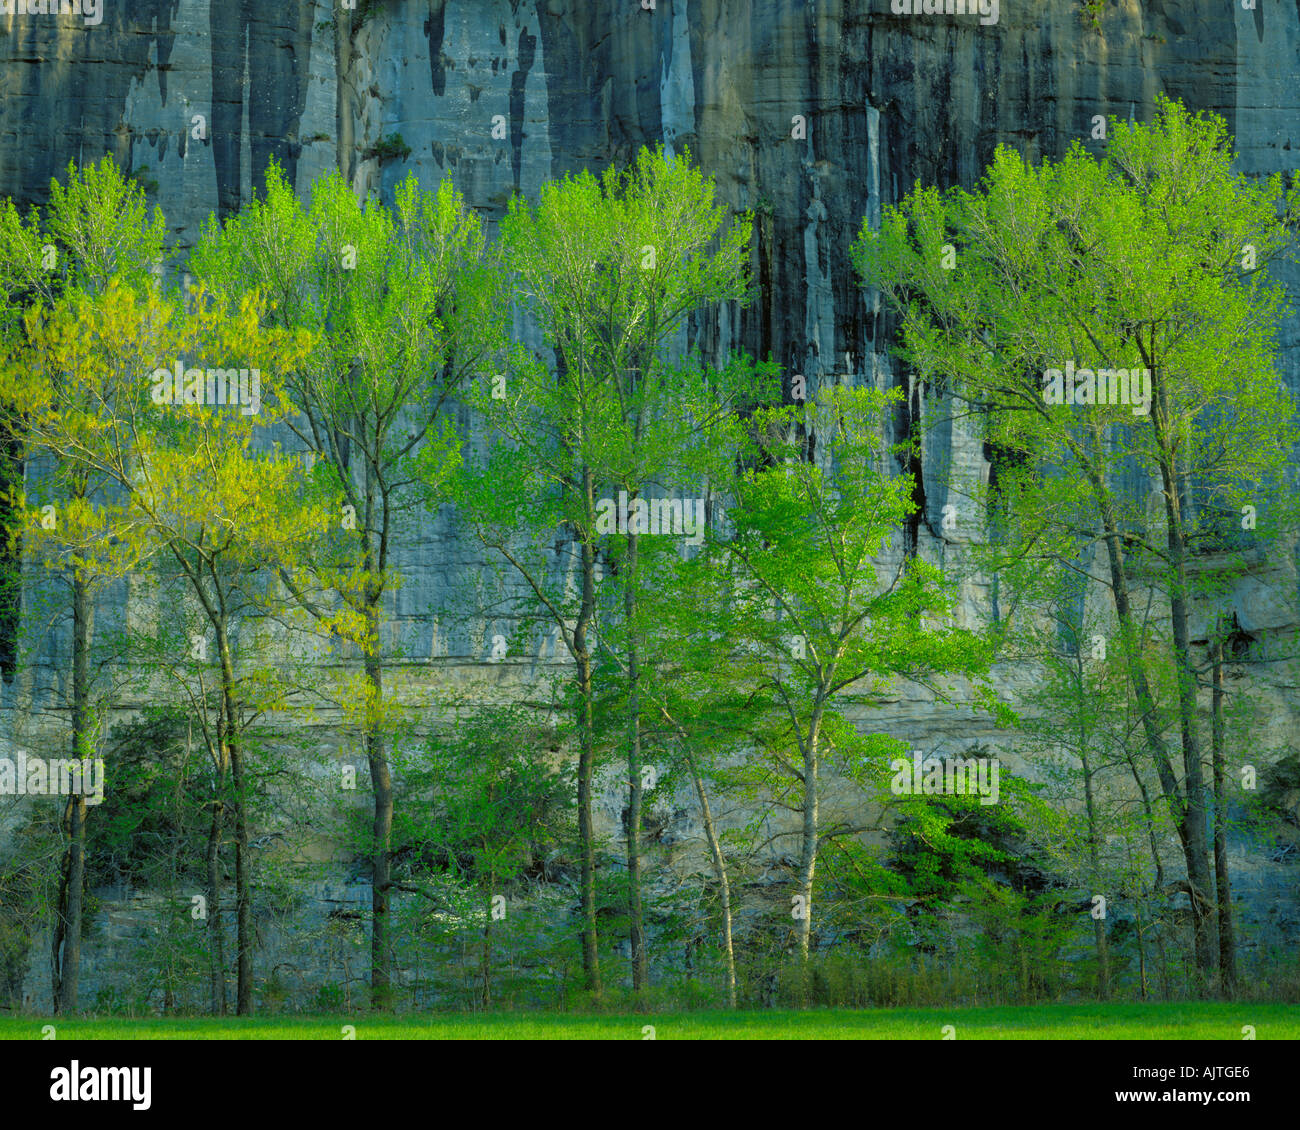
x=402, y=307
x=136, y=391
x=95, y=229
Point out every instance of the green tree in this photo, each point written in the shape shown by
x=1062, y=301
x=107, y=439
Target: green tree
x=191, y=482
x=1143, y=275
x=492, y=791
x=801, y=612
x=610, y=268
x=1078, y=725
x=402, y=306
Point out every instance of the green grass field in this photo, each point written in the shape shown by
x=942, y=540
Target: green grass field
x=1196, y=1021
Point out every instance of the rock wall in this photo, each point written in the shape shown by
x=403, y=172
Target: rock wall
x=813, y=113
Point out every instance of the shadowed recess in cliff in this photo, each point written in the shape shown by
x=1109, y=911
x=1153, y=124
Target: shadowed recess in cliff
x=594, y=118
x=906, y=424
x=434, y=27
x=266, y=53
x=74, y=80
x=518, y=81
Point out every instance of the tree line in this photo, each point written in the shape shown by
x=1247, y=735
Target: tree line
x=524, y=388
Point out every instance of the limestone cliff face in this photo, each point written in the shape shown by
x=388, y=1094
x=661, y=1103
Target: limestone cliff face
x=884, y=100
x=813, y=113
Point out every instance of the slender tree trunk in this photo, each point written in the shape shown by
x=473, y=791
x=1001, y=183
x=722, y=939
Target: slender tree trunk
x=239, y=811
x=216, y=945
x=811, y=825
x=587, y=753
x=640, y=970
x=1181, y=801
x=1094, y=855
x=1149, y=812
x=177, y=925
x=711, y=831
x=381, y=780
x=243, y=893
x=586, y=837
x=720, y=872
x=75, y=882
x=1153, y=843
x=486, y=956
x=1223, y=884
x=1142, y=950
x=60, y=920
x=67, y=932
x=1198, y=868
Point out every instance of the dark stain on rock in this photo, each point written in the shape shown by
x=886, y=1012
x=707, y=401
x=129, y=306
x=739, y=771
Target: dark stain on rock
x=527, y=53
x=269, y=58
x=699, y=55
x=446, y=155
x=63, y=90
x=160, y=139
x=434, y=27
